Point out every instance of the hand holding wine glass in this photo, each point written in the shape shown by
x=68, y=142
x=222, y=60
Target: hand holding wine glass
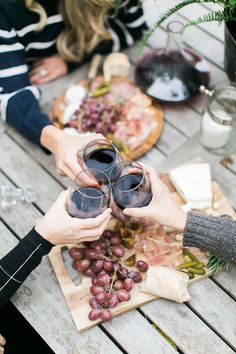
x=86, y=200
x=162, y=209
x=132, y=188
x=58, y=227
x=65, y=149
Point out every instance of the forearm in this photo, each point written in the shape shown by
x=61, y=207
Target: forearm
x=16, y=266
x=214, y=234
x=50, y=137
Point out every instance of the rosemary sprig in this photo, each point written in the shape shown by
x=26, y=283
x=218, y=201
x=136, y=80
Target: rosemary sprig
x=217, y=264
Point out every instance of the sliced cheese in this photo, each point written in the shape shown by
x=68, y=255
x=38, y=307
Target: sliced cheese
x=193, y=183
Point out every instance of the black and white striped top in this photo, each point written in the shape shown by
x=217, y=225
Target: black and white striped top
x=20, y=45
x=16, y=266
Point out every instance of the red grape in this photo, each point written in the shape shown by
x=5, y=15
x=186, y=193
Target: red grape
x=89, y=273
x=94, y=280
x=136, y=276
x=106, y=315
x=103, y=279
x=95, y=289
x=115, y=240
x=118, y=251
x=101, y=297
x=123, y=295
x=77, y=253
x=118, y=284
x=91, y=254
x=93, y=303
x=94, y=314
x=142, y=266
x=108, y=265
x=81, y=265
x=112, y=301
x=128, y=284
x=123, y=273
x=108, y=234
x=97, y=266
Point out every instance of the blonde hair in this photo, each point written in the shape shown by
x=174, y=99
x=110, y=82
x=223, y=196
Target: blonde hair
x=84, y=22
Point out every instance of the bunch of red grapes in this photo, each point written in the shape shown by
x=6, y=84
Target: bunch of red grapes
x=98, y=115
x=111, y=281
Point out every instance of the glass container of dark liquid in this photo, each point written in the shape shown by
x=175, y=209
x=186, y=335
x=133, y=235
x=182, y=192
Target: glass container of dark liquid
x=173, y=74
x=87, y=200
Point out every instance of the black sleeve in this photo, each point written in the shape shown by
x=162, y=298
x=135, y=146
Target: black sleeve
x=16, y=266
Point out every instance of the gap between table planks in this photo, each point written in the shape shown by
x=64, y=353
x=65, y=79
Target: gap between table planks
x=77, y=297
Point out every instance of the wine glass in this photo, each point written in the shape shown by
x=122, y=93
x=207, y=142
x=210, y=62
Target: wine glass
x=86, y=200
x=101, y=155
x=131, y=190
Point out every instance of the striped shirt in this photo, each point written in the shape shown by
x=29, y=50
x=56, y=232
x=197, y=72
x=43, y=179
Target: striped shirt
x=16, y=266
x=21, y=45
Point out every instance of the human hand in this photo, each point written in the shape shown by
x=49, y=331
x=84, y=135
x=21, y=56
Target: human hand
x=58, y=227
x=2, y=343
x=48, y=69
x=162, y=208
x=65, y=149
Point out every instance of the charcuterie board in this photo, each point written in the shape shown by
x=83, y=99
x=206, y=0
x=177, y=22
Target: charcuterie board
x=77, y=297
x=124, y=114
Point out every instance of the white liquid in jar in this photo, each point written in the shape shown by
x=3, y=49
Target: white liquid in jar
x=214, y=135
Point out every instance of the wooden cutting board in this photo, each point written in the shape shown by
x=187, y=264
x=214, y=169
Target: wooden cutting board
x=154, y=109
x=77, y=297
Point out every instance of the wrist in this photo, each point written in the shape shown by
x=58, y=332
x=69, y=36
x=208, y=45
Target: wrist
x=180, y=221
x=50, y=137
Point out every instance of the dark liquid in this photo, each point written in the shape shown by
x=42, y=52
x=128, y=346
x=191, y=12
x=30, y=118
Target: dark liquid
x=80, y=206
x=103, y=160
x=172, y=78
x=124, y=197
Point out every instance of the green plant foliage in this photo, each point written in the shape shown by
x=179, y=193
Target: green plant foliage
x=227, y=13
x=217, y=264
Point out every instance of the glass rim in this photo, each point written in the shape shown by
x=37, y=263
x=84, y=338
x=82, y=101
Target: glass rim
x=127, y=162
x=177, y=22
x=75, y=186
x=108, y=143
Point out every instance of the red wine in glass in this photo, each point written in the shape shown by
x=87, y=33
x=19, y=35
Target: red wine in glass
x=128, y=192
x=131, y=190
x=102, y=155
x=86, y=201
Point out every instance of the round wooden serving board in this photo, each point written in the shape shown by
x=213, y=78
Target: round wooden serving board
x=145, y=103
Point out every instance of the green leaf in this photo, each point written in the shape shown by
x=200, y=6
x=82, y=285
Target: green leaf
x=217, y=264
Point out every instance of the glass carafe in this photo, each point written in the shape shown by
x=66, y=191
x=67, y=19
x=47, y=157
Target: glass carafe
x=172, y=74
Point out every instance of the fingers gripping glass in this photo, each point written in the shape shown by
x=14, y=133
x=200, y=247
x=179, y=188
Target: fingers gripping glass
x=86, y=201
x=132, y=189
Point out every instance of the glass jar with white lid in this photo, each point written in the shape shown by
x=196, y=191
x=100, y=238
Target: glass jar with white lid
x=219, y=118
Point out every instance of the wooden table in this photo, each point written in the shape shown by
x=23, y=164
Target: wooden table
x=206, y=324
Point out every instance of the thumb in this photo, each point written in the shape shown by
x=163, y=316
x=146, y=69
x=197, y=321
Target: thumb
x=61, y=200
x=135, y=212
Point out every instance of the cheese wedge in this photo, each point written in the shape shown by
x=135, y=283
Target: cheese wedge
x=193, y=183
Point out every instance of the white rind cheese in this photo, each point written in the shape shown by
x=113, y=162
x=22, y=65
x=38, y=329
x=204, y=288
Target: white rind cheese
x=193, y=183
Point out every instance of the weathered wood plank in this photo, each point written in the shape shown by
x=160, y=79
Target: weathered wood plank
x=131, y=328
x=152, y=157
x=196, y=10
x=25, y=172
x=215, y=306
x=183, y=118
x=186, y=329
x=170, y=140
x=227, y=280
x=40, y=301
x=13, y=216
x=39, y=155
x=227, y=181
